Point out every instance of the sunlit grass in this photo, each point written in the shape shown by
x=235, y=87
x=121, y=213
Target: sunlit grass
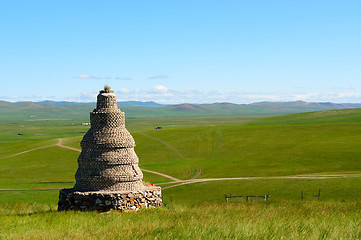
x=289, y=145
x=288, y=220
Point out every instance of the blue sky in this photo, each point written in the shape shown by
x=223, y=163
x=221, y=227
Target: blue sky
x=181, y=51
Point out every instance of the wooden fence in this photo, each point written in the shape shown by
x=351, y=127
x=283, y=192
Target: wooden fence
x=229, y=197
x=316, y=196
x=266, y=197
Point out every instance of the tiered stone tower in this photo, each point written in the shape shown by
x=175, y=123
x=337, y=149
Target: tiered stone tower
x=108, y=176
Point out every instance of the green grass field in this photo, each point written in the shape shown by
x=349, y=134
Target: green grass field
x=314, y=144
x=287, y=220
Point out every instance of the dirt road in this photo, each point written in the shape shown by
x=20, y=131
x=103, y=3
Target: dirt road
x=60, y=144
x=177, y=182
x=311, y=176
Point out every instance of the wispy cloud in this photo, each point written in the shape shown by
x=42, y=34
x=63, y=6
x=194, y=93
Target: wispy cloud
x=85, y=76
x=163, y=94
x=159, y=77
x=88, y=95
x=159, y=89
x=88, y=76
x=124, y=90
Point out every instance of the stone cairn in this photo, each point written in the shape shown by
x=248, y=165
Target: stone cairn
x=108, y=176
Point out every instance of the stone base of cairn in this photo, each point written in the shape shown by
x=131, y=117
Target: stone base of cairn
x=103, y=201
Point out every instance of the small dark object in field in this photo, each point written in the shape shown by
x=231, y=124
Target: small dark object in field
x=158, y=128
x=20, y=134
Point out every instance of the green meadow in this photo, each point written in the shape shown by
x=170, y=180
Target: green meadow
x=263, y=148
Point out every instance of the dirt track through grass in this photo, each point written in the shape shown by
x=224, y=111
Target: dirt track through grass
x=28, y=189
x=178, y=182
x=311, y=177
x=60, y=144
x=30, y=150
x=162, y=174
x=165, y=143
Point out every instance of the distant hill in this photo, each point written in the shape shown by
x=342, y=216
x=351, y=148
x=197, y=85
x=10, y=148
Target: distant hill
x=64, y=102
x=258, y=108
x=134, y=109
x=319, y=117
x=124, y=103
x=140, y=104
x=302, y=104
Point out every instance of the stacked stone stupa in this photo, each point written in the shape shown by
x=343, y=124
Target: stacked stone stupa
x=108, y=175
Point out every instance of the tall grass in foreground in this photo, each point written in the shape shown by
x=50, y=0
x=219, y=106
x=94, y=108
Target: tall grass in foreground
x=254, y=220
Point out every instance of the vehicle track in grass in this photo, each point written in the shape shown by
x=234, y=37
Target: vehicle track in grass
x=162, y=174
x=311, y=177
x=177, y=182
x=28, y=189
x=190, y=181
x=30, y=150
x=60, y=144
x=165, y=143
x=198, y=172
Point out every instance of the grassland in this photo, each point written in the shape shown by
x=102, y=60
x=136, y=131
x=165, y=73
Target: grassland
x=211, y=147
x=33, y=111
x=287, y=220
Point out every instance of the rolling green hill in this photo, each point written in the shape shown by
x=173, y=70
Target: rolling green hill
x=317, y=142
x=314, y=144
x=319, y=117
x=80, y=111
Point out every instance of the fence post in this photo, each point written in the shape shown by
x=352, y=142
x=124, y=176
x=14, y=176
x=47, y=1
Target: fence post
x=302, y=195
x=319, y=194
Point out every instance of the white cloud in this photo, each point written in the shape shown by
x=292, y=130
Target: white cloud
x=162, y=94
x=88, y=96
x=303, y=96
x=160, y=89
x=349, y=94
x=85, y=76
x=88, y=76
x=124, y=90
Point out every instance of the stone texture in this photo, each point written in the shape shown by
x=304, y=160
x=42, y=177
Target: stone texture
x=104, y=201
x=108, y=165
